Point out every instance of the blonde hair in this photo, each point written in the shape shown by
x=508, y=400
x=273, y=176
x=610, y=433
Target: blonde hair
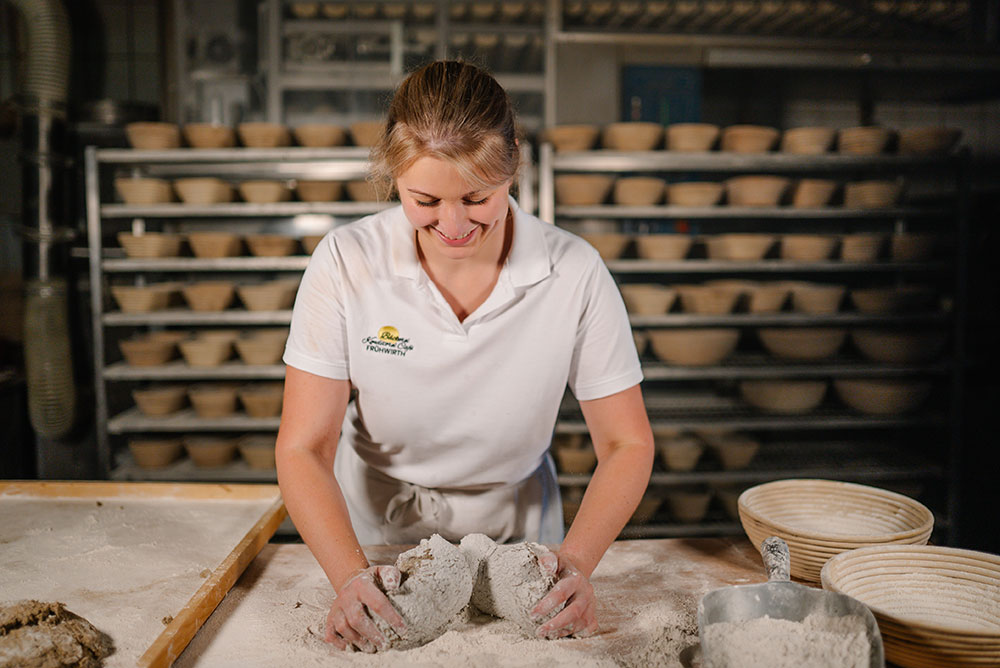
x=453, y=111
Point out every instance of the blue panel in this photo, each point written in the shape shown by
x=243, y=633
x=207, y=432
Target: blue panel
x=661, y=94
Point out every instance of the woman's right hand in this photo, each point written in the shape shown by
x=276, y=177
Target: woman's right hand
x=349, y=622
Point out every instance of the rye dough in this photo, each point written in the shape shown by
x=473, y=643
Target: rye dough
x=509, y=580
x=435, y=588
x=47, y=635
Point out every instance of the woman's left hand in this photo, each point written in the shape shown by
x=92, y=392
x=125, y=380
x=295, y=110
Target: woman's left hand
x=573, y=588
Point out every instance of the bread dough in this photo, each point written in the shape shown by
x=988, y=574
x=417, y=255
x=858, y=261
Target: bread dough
x=34, y=634
x=443, y=585
x=509, y=580
x=435, y=589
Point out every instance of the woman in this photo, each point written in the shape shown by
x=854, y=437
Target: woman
x=459, y=320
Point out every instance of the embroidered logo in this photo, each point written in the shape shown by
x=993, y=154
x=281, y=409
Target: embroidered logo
x=388, y=341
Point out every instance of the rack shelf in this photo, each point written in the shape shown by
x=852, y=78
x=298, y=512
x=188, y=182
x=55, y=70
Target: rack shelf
x=767, y=267
x=120, y=371
x=186, y=421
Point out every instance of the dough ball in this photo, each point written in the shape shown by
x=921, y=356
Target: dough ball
x=511, y=583
x=435, y=587
x=47, y=635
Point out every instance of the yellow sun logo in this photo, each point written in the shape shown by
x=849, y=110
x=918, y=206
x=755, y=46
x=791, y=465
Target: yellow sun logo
x=388, y=333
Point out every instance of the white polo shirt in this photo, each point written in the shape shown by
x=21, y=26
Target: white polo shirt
x=444, y=403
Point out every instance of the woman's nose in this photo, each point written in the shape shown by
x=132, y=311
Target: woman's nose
x=452, y=216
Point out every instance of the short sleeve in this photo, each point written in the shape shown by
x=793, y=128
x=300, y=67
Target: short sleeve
x=605, y=360
x=317, y=339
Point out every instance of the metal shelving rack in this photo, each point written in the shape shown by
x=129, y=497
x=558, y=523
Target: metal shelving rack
x=365, y=49
x=859, y=451
x=107, y=261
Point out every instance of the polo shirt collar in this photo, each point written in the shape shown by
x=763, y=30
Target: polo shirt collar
x=527, y=263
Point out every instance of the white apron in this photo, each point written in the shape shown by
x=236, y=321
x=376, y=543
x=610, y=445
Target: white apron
x=387, y=511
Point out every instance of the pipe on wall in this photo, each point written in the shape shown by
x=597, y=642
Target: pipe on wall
x=42, y=103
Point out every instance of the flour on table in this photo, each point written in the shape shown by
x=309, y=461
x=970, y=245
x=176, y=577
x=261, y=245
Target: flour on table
x=47, y=635
x=818, y=641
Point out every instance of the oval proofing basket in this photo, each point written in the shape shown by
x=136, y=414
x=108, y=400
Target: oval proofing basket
x=819, y=519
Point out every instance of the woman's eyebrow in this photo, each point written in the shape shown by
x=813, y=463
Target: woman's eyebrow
x=466, y=195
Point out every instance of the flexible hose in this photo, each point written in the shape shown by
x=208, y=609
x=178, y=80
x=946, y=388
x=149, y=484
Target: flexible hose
x=48, y=365
x=47, y=80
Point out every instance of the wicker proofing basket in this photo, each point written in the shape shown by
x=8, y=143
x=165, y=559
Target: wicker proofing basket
x=160, y=400
x=734, y=451
x=895, y=299
x=609, y=245
x=143, y=299
x=691, y=137
x=928, y=140
x=912, y=247
x=205, y=352
x=936, y=607
x=203, y=191
x=262, y=400
x=209, y=135
x=147, y=351
x=632, y=136
x=214, y=244
x=872, y=194
x=361, y=190
x=808, y=140
x=260, y=350
x=749, y=138
x=860, y=247
x=815, y=298
x=784, y=397
x=367, y=133
x=740, y=247
x=638, y=191
x=663, y=246
x=812, y=193
x=899, y=346
x=150, y=244
x=264, y=191
x=572, y=137
x=802, y=343
x=647, y=298
x=761, y=297
x=807, y=247
x=756, y=190
x=209, y=295
x=688, y=505
x=271, y=296
x=210, y=451
x=693, y=347
x=141, y=191
x=716, y=299
x=149, y=136
x=680, y=453
x=695, y=193
x=320, y=135
x=865, y=140
x=155, y=453
x=583, y=189
x=319, y=191
x=211, y=400
x=271, y=245
x=257, y=451
x=263, y=135
x=882, y=396
x=822, y=518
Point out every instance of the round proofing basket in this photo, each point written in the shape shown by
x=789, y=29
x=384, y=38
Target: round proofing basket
x=822, y=518
x=935, y=606
x=572, y=137
x=209, y=135
x=663, y=246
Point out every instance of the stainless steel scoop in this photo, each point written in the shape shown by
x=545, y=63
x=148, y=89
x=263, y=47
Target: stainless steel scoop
x=779, y=598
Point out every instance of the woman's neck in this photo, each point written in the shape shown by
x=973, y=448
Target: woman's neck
x=467, y=282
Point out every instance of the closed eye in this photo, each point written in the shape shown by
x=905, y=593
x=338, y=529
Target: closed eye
x=436, y=201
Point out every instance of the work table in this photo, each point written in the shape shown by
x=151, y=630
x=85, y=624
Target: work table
x=647, y=592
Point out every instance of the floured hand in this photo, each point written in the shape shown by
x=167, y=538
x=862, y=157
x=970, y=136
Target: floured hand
x=573, y=588
x=349, y=623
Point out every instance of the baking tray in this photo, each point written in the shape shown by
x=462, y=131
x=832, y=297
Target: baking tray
x=145, y=562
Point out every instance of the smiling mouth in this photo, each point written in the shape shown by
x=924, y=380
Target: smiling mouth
x=464, y=236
